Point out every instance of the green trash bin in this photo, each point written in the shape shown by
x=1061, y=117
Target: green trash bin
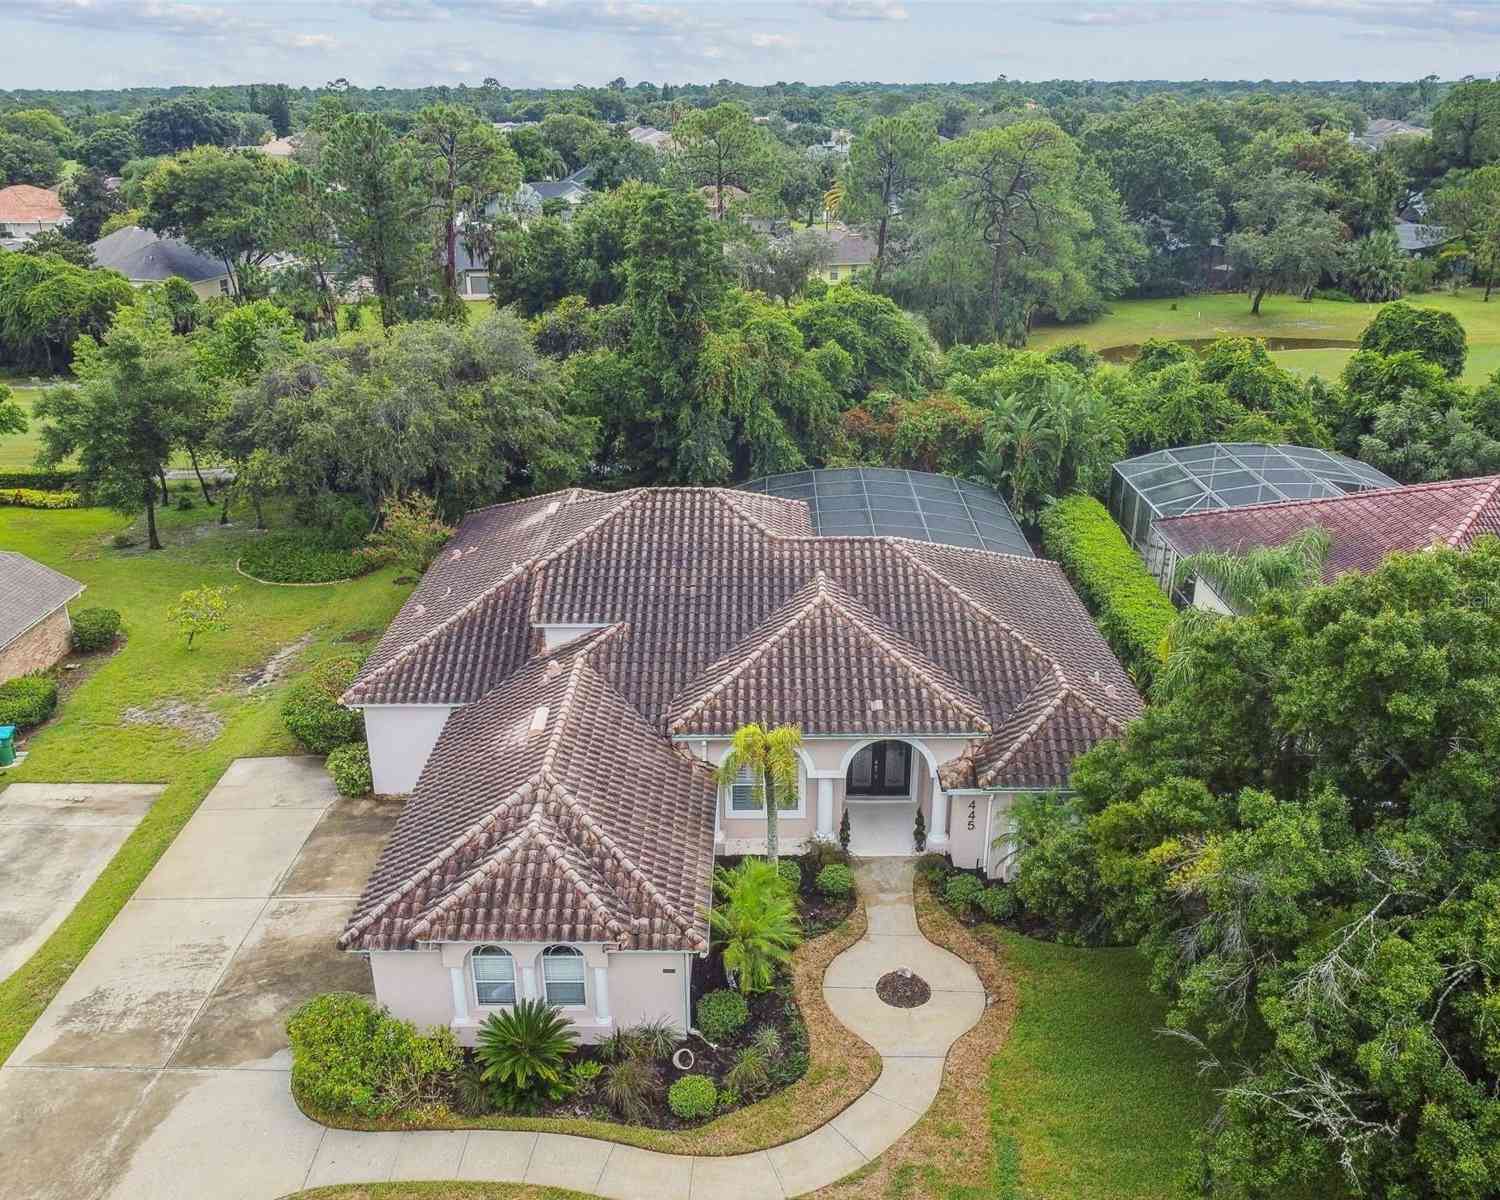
x=7, y=745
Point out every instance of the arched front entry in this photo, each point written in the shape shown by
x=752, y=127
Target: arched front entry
x=883, y=788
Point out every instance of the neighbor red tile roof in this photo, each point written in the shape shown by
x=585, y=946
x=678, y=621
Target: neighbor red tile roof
x=721, y=607
x=1364, y=527
x=22, y=202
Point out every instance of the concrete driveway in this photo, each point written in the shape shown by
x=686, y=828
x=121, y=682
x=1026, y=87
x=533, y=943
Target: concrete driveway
x=165, y=1048
x=54, y=840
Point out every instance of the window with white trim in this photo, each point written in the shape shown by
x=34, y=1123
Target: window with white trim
x=494, y=975
x=562, y=976
x=745, y=797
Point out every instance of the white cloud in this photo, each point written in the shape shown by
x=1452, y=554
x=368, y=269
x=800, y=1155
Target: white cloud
x=1426, y=16
x=153, y=16
x=863, y=10
x=774, y=41
x=307, y=41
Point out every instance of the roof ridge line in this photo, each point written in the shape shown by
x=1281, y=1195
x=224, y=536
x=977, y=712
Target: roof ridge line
x=723, y=496
x=517, y=571
x=1030, y=731
x=979, y=608
x=1472, y=515
x=490, y=818
x=498, y=856
x=818, y=583
x=571, y=492
x=1430, y=485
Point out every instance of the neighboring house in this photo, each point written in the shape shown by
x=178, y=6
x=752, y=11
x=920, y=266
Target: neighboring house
x=473, y=273
x=1381, y=130
x=144, y=257
x=1145, y=490
x=1363, y=528
x=27, y=210
x=657, y=139
x=559, y=691
x=527, y=203
x=845, y=252
x=34, y=626
x=282, y=147
x=1417, y=238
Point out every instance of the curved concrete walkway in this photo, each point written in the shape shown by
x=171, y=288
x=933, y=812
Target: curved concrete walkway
x=155, y=1074
x=912, y=1043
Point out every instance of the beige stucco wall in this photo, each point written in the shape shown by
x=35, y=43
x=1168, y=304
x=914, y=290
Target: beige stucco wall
x=418, y=986
x=978, y=820
x=401, y=736
x=40, y=647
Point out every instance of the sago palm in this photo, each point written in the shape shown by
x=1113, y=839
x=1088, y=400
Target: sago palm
x=754, y=924
x=522, y=1051
x=770, y=755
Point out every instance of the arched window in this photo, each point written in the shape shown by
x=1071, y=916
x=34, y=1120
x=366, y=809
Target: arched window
x=562, y=975
x=494, y=975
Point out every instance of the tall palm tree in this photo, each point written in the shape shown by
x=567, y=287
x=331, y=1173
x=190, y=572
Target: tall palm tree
x=1242, y=581
x=771, y=757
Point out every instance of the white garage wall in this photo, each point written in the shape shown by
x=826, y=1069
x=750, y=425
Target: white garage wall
x=401, y=736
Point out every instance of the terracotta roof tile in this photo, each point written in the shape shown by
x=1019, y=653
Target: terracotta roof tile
x=23, y=202
x=1364, y=527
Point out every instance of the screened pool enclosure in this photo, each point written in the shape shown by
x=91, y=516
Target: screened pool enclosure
x=1168, y=483
x=911, y=504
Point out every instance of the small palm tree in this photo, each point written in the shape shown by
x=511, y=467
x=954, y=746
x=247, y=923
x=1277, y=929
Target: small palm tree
x=1242, y=581
x=522, y=1051
x=833, y=200
x=755, y=924
x=771, y=758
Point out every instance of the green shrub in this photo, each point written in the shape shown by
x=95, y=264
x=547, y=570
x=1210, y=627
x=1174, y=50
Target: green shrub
x=835, y=880
x=653, y=1039
x=818, y=852
x=28, y=700
x=997, y=903
x=523, y=1050
x=31, y=498
x=302, y=556
x=41, y=481
x=350, y=1057
x=754, y=924
x=750, y=1073
x=693, y=1097
x=962, y=891
x=1434, y=334
x=312, y=712
x=349, y=767
x=791, y=873
x=932, y=867
x=1132, y=611
x=722, y=1014
x=95, y=629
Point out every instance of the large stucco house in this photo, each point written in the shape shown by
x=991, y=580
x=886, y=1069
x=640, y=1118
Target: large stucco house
x=559, y=690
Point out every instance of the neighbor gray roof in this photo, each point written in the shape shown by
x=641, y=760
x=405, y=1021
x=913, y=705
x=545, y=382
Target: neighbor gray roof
x=145, y=257
x=29, y=593
x=1413, y=236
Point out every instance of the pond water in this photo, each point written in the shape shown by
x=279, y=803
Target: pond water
x=1119, y=354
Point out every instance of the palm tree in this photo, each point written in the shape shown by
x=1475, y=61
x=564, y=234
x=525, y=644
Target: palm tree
x=755, y=923
x=1242, y=581
x=770, y=755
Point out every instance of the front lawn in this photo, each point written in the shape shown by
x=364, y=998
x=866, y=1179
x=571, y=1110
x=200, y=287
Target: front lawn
x=1063, y=1089
x=156, y=711
x=18, y=450
x=438, y=1191
x=1228, y=315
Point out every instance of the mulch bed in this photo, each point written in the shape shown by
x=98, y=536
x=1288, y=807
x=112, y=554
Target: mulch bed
x=903, y=989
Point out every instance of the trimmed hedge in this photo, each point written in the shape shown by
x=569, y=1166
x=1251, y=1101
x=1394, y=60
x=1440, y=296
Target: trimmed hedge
x=835, y=881
x=95, y=629
x=41, y=481
x=1132, y=612
x=303, y=556
x=693, y=1097
x=722, y=1014
x=28, y=700
x=312, y=712
x=32, y=498
x=349, y=767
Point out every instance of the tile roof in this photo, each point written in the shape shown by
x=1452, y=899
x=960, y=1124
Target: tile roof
x=715, y=607
x=23, y=202
x=1364, y=527
x=825, y=643
x=29, y=593
x=548, y=811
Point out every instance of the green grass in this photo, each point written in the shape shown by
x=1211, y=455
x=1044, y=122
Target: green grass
x=1228, y=315
x=18, y=450
x=88, y=742
x=1095, y=1103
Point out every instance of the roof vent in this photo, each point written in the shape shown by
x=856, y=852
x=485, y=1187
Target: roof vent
x=877, y=705
x=1111, y=691
x=448, y=591
x=420, y=610
x=538, y=721
x=551, y=509
x=456, y=555
x=553, y=669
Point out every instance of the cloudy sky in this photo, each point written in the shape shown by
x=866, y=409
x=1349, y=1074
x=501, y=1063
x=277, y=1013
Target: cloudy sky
x=552, y=43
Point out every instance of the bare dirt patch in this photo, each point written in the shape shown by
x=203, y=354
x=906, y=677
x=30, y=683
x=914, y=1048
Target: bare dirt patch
x=903, y=989
x=275, y=667
x=185, y=717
